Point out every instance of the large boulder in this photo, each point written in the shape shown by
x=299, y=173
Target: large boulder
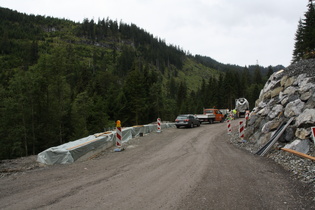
x=302, y=133
x=299, y=145
x=307, y=117
x=288, y=81
x=270, y=126
x=310, y=104
x=275, y=92
x=294, y=108
x=275, y=111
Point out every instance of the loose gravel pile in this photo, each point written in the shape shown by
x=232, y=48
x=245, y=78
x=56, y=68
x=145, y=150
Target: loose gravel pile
x=302, y=67
x=300, y=168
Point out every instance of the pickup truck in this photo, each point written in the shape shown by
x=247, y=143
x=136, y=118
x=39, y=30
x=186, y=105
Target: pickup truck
x=210, y=116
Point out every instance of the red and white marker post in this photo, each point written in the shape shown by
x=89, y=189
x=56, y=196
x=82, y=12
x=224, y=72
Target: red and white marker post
x=158, y=125
x=118, y=137
x=241, y=130
x=229, y=128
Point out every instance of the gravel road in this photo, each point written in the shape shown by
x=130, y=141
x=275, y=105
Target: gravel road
x=193, y=168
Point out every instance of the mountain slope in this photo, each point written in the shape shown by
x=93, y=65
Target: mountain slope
x=61, y=80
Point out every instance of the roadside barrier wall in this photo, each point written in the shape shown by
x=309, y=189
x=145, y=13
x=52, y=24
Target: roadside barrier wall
x=86, y=147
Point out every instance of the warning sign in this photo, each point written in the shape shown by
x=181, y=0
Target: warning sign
x=313, y=133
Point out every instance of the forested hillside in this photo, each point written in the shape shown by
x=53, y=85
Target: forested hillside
x=61, y=80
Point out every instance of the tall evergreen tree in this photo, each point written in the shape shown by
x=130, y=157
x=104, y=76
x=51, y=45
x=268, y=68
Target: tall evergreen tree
x=181, y=97
x=245, y=77
x=229, y=89
x=298, y=46
x=245, y=82
x=309, y=30
x=270, y=72
x=257, y=76
x=136, y=97
x=210, y=93
x=304, y=47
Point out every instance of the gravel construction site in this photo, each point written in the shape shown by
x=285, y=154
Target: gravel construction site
x=186, y=168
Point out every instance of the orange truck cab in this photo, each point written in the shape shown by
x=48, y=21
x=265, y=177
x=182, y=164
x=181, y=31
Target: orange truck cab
x=218, y=115
x=210, y=116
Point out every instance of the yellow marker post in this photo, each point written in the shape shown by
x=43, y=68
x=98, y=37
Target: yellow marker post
x=118, y=123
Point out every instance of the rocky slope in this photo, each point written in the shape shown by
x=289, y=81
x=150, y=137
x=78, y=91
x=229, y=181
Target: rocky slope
x=289, y=93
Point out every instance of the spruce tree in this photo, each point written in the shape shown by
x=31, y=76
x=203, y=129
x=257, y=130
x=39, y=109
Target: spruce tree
x=304, y=47
x=270, y=72
x=298, y=46
x=309, y=31
x=257, y=76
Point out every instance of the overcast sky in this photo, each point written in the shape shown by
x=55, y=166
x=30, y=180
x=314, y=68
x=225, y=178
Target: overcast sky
x=241, y=32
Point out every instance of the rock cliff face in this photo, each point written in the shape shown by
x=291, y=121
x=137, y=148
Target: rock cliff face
x=288, y=93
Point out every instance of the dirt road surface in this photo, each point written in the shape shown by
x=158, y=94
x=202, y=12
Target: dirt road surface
x=187, y=168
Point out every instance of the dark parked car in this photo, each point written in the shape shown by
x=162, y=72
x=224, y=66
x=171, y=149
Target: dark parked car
x=187, y=120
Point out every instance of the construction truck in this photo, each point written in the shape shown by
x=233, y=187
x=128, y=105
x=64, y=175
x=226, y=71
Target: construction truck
x=241, y=106
x=210, y=116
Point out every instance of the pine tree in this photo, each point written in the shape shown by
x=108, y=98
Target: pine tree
x=257, y=76
x=270, y=72
x=304, y=47
x=309, y=30
x=181, y=97
x=134, y=90
x=298, y=46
